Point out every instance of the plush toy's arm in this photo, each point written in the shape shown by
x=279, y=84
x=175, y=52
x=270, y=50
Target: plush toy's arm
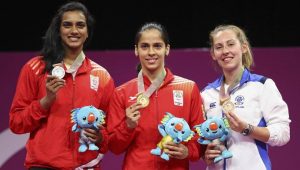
x=95, y=126
x=224, y=136
x=75, y=110
x=161, y=129
x=202, y=141
x=75, y=128
x=177, y=140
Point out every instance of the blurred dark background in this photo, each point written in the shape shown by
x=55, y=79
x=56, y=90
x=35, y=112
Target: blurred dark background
x=267, y=23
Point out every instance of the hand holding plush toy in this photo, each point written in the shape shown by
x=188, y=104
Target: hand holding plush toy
x=172, y=129
x=214, y=130
x=86, y=117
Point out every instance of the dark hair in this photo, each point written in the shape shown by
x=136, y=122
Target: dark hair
x=53, y=50
x=149, y=26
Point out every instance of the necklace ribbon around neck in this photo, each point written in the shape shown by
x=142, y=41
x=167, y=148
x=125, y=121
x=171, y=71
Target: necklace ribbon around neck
x=143, y=96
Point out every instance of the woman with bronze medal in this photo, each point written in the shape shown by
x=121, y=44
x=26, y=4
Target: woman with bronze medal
x=252, y=104
x=138, y=106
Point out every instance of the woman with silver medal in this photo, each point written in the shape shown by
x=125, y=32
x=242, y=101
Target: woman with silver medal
x=54, y=83
x=252, y=104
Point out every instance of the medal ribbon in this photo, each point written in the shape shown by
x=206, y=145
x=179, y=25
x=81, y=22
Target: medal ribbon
x=226, y=96
x=154, y=85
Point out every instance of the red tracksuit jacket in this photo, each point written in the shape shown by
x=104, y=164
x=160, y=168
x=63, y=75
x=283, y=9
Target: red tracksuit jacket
x=52, y=143
x=138, y=142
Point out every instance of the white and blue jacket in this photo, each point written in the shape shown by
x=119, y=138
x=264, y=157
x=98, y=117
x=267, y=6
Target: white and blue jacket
x=258, y=102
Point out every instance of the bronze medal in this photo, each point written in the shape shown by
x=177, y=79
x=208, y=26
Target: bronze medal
x=227, y=106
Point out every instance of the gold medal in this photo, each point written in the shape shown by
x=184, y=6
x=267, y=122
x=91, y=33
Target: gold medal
x=227, y=106
x=142, y=99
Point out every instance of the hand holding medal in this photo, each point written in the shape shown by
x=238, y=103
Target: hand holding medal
x=133, y=115
x=54, y=81
x=228, y=106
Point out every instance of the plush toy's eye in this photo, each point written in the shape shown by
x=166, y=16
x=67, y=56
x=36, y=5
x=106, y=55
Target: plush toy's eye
x=96, y=119
x=182, y=132
x=220, y=127
x=207, y=130
x=172, y=124
x=84, y=118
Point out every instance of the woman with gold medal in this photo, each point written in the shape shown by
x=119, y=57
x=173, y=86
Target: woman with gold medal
x=138, y=106
x=252, y=104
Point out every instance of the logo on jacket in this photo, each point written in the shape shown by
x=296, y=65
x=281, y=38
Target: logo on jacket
x=178, y=97
x=212, y=105
x=94, y=82
x=239, y=101
x=132, y=99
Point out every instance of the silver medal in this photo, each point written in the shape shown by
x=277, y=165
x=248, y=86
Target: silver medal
x=58, y=71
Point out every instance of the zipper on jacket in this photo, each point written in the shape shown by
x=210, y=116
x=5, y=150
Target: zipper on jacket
x=73, y=93
x=157, y=118
x=73, y=107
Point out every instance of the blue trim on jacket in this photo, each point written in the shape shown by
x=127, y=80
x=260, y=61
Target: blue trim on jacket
x=263, y=147
x=246, y=77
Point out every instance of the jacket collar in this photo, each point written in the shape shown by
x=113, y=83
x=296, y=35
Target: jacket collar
x=80, y=65
x=217, y=83
x=169, y=77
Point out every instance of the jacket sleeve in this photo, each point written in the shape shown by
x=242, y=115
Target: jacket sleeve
x=276, y=114
x=196, y=117
x=106, y=92
x=104, y=143
x=26, y=112
x=120, y=136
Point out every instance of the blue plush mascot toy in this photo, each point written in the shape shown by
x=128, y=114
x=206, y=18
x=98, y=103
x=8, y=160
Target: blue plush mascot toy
x=86, y=117
x=215, y=130
x=172, y=129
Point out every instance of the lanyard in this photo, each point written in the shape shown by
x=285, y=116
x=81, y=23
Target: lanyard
x=143, y=96
x=227, y=105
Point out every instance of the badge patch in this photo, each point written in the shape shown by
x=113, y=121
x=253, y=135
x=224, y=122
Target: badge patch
x=178, y=97
x=212, y=105
x=239, y=101
x=132, y=98
x=94, y=82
